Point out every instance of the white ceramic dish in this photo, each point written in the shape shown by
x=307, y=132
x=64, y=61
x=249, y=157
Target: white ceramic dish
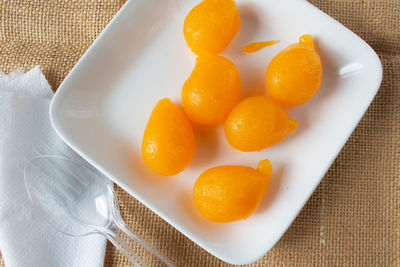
x=102, y=107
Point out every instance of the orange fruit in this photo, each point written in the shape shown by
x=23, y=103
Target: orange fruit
x=211, y=25
x=168, y=142
x=212, y=90
x=231, y=193
x=256, y=123
x=295, y=74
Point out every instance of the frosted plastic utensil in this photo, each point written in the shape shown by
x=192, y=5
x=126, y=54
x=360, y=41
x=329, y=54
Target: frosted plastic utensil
x=79, y=201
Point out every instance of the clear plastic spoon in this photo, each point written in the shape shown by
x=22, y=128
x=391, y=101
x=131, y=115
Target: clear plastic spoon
x=80, y=201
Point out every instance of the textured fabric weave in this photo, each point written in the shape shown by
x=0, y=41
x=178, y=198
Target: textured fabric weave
x=353, y=218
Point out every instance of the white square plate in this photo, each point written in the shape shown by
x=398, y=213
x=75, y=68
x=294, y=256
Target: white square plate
x=102, y=107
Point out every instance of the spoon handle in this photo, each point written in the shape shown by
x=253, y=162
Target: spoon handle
x=120, y=235
x=114, y=238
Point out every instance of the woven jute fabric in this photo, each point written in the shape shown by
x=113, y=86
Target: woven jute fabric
x=352, y=219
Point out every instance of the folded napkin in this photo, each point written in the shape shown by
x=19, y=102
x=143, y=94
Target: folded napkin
x=26, y=237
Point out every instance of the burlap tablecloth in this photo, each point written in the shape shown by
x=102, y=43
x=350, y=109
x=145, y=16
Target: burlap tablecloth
x=353, y=216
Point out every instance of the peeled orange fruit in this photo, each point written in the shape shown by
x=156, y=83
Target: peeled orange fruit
x=231, y=193
x=168, y=142
x=212, y=90
x=256, y=123
x=211, y=25
x=295, y=74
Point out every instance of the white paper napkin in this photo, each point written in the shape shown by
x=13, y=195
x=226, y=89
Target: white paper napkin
x=26, y=238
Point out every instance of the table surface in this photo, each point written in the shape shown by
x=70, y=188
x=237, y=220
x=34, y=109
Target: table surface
x=353, y=218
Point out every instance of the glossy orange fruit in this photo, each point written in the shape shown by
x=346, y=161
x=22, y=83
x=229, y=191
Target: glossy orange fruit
x=211, y=25
x=168, y=142
x=295, y=74
x=231, y=193
x=211, y=91
x=258, y=122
